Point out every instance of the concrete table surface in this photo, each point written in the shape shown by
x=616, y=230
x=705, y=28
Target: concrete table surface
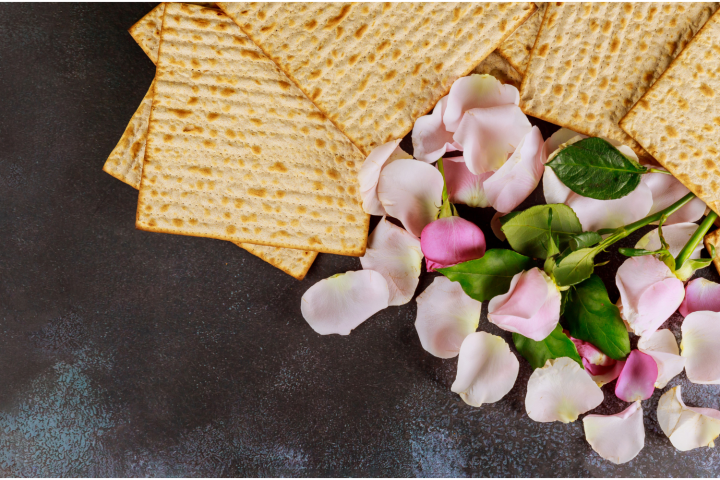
x=128, y=353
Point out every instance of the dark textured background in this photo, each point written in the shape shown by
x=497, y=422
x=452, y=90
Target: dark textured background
x=127, y=353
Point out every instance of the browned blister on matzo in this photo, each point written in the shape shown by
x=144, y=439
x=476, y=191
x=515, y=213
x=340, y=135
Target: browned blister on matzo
x=374, y=68
x=678, y=119
x=516, y=49
x=235, y=151
x=592, y=61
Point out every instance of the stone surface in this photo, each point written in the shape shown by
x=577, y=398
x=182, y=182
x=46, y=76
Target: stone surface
x=127, y=353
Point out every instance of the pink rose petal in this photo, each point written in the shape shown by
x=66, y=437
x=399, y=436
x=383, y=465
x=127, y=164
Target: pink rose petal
x=701, y=347
x=519, y=176
x=489, y=135
x=451, y=240
x=463, y=185
x=411, y=191
x=396, y=255
x=603, y=374
x=637, y=379
x=531, y=307
x=445, y=316
x=430, y=138
x=700, y=294
x=476, y=91
x=342, y=302
x=666, y=190
x=649, y=292
x=663, y=348
x=370, y=173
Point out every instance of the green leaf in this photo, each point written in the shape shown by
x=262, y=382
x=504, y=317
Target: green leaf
x=489, y=276
x=594, y=168
x=555, y=345
x=591, y=316
x=575, y=267
x=529, y=231
x=584, y=240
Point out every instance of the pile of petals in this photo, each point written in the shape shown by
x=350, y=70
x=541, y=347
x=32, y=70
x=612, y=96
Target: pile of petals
x=503, y=159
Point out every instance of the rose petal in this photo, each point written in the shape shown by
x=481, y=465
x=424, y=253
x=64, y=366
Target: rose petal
x=411, y=191
x=676, y=236
x=488, y=135
x=666, y=190
x=342, y=302
x=638, y=377
x=560, y=391
x=597, y=214
x=464, y=186
x=451, y=240
x=430, y=138
x=496, y=226
x=554, y=190
x=558, y=138
x=476, y=91
x=663, y=348
x=649, y=293
x=700, y=294
x=687, y=427
x=396, y=255
x=603, y=374
x=370, y=173
x=445, y=316
x=618, y=438
x=531, y=307
x=701, y=347
x=519, y=176
x=591, y=353
x=486, y=371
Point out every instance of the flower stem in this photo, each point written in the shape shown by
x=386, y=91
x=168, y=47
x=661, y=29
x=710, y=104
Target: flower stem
x=656, y=170
x=696, y=238
x=447, y=209
x=442, y=172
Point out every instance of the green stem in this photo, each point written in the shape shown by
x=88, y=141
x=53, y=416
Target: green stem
x=623, y=232
x=655, y=170
x=442, y=172
x=697, y=237
x=447, y=209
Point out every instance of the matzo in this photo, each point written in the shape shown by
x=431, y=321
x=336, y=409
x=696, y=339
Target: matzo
x=516, y=49
x=374, y=68
x=678, y=118
x=499, y=68
x=125, y=162
x=592, y=61
x=236, y=152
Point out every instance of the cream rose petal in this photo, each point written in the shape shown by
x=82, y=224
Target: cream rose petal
x=486, y=371
x=476, y=91
x=464, y=186
x=676, y=236
x=431, y=140
x=496, y=226
x=700, y=294
x=489, y=135
x=666, y=190
x=342, y=302
x=687, y=427
x=518, y=177
x=662, y=347
x=701, y=347
x=396, y=255
x=557, y=139
x=411, y=191
x=560, y=391
x=370, y=173
x=618, y=438
x=445, y=316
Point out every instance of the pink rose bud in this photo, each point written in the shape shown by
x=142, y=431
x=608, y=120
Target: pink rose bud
x=531, y=307
x=451, y=240
x=637, y=379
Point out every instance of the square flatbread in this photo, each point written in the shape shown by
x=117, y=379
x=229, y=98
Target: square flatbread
x=516, y=49
x=678, y=119
x=235, y=151
x=374, y=68
x=592, y=61
x=125, y=162
x=499, y=68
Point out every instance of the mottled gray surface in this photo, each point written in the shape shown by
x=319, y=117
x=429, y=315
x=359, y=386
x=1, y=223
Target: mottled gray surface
x=127, y=353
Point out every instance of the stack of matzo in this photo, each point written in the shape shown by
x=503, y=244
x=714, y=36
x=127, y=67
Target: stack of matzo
x=592, y=61
x=678, y=119
x=236, y=151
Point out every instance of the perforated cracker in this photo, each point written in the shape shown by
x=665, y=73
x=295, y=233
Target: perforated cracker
x=499, y=68
x=125, y=162
x=374, y=68
x=235, y=151
x=678, y=118
x=591, y=61
x=516, y=49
